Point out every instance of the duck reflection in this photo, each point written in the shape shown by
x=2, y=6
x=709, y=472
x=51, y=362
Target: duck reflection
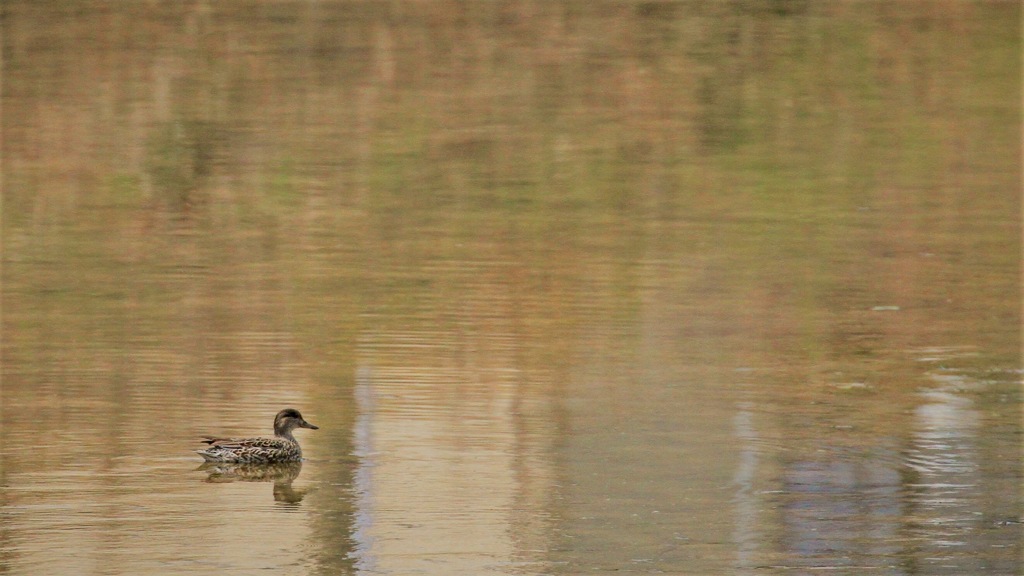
x=282, y=474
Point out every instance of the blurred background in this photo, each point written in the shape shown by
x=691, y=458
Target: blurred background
x=681, y=287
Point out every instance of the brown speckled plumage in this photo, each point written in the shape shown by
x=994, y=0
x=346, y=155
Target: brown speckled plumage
x=281, y=448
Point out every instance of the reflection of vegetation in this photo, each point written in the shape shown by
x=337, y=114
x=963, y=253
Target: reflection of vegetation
x=784, y=132
x=768, y=142
x=281, y=190
x=124, y=191
x=180, y=156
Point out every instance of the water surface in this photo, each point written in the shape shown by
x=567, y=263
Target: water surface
x=569, y=288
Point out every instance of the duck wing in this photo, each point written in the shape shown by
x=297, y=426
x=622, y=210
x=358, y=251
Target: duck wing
x=238, y=443
x=249, y=450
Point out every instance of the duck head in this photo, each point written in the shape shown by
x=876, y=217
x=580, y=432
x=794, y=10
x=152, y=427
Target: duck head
x=288, y=420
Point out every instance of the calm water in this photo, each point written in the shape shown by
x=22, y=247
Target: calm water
x=569, y=288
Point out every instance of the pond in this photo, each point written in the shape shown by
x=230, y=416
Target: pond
x=567, y=287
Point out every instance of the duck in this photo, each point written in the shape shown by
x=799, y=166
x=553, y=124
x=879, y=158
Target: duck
x=281, y=448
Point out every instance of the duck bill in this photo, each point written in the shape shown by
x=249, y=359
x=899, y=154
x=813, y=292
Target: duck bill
x=305, y=424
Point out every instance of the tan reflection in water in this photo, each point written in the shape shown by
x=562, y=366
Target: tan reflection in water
x=448, y=476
